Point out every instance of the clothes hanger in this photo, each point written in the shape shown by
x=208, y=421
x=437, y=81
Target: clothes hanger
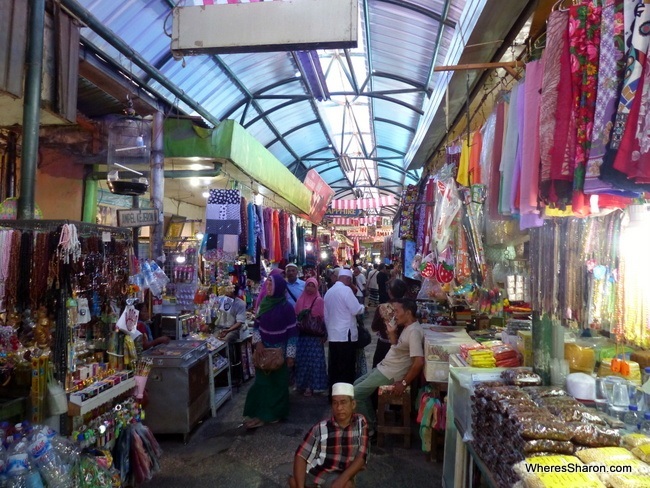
x=558, y=6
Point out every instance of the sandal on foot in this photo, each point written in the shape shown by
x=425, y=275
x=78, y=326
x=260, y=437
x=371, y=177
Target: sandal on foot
x=253, y=424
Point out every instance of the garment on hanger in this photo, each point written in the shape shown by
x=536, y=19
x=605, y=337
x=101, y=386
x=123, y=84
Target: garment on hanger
x=252, y=234
x=269, y=229
x=462, y=178
x=260, y=225
x=243, y=237
x=223, y=220
x=556, y=175
x=611, y=66
x=474, y=172
x=519, y=127
x=584, y=42
x=530, y=161
x=510, y=144
x=495, y=176
x=277, y=246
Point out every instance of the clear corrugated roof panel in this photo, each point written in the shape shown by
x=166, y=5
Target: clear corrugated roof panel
x=377, y=96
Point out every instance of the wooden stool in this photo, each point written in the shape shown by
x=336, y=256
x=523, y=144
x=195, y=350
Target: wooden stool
x=386, y=398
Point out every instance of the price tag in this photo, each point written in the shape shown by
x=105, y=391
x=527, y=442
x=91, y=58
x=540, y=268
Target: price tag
x=106, y=237
x=481, y=377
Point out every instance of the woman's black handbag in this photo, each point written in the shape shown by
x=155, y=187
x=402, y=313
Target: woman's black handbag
x=364, y=337
x=310, y=325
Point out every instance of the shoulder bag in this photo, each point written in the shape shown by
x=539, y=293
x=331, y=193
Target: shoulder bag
x=268, y=359
x=310, y=325
x=364, y=336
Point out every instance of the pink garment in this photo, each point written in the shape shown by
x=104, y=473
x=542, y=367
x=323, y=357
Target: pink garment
x=305, y=301
x=529, y=181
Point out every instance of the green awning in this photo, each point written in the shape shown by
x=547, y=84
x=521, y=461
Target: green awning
x=229, y=141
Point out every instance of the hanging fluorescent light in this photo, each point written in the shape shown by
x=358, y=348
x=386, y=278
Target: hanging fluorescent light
x=205, y=194
x=180, y=259
x=346, y=163
x=309, y=64
x=259, y=199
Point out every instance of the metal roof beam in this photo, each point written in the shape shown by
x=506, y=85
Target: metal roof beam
x=292, y=130
x=436, y=49
x=392, y=150
x=238, y=83
x=353, y=81
x=423, y=11
x=397, y=124
x=401, y=79
x=382, y=97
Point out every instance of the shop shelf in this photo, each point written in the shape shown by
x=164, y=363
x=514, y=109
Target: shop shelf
x=221, y=395
x=75, y=410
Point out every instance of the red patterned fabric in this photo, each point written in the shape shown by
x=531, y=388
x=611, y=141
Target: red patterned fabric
x=584, y=42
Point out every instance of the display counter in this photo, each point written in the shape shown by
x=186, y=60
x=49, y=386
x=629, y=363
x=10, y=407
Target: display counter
x=457, y=464
x=178, y=386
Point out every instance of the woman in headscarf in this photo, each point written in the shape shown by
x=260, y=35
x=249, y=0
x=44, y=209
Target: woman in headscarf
x=268, y=399
x=311, y=371
x=262, y=294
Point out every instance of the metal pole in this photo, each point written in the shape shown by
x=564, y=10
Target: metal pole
x=157, y=190
x=31, y=109
x=91, y=188
x=10, y=169
x=136, y=230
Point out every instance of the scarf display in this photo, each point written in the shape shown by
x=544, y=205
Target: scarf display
x=223, y=220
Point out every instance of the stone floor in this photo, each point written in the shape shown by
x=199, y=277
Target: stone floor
x=220, y=452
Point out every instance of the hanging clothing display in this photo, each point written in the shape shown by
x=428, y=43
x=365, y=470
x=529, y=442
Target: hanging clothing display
x=510, y=144
x=611, y=65
x=223, y=220
x=529, y=181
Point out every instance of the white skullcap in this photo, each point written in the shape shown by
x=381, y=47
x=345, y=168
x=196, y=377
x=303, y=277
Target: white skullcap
x=345, y=272
x=345, y=389
x=291, y=265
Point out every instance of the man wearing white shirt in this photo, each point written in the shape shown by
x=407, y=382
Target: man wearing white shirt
x=341, y=309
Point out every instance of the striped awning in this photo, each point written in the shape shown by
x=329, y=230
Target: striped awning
x=348, y=221
x=364, y=203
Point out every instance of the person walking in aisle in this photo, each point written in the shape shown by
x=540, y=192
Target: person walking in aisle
x=311, y=370
x=341, y=309
x=373, y=287
x=334, y=450
x=382, y=282
x=295, y=286
x=401, y=366
x=268, y=399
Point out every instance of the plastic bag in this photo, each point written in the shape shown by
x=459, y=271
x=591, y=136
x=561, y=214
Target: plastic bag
x=447, y=205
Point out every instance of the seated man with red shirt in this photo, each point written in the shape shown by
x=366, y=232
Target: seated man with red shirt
x=147, y=340
x=335, y=449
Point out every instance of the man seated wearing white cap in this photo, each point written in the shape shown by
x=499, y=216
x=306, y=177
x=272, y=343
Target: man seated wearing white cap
x=402, y=364
x=334, y=450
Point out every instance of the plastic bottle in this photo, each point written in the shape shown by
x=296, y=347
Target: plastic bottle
x=646, y=375
x=52, y=469
x=645, y=425
x=3, y=466
x=632, y=419
x=20, y=473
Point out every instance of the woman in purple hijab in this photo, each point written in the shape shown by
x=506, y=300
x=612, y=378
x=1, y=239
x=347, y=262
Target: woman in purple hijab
x=268, y=399
x=260, y=297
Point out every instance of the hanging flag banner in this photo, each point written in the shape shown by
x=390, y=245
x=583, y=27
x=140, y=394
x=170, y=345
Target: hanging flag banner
x=321, y=195
x=357, y=232
x=364, y=203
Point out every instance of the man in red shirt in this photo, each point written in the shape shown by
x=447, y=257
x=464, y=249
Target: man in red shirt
x=335, y=449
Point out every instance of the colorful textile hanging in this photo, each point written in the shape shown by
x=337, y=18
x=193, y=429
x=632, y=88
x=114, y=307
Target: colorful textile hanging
x=363, y=203
x=529, y=181
x=511, y=142
x=556, y=176
x=223, y=220
x=584, y=41
x=611, y=66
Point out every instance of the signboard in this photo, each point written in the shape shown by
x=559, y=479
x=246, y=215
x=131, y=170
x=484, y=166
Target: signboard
x=137, y=217
x=348, y=212
x=357, y=232
x=321, y=195
x=383, y=232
